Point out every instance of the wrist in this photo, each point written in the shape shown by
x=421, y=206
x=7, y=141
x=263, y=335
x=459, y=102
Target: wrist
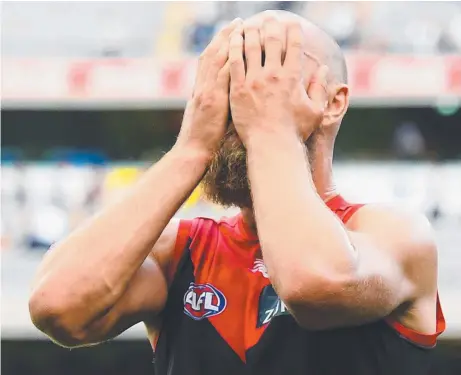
x=194, y=154
x=272, y=138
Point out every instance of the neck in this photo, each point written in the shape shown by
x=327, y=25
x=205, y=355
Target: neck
x=322, y=176
x=322, y=168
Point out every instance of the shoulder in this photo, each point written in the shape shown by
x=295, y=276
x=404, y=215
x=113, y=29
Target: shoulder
x=177, y=231
x=178, y=235
x=163, y=250
x=393, y=223
x=406, y=235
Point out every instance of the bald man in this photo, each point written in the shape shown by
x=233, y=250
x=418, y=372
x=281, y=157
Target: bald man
x=300, y=281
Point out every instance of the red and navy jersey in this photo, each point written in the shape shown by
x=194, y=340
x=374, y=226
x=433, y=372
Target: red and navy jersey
x=223, y=317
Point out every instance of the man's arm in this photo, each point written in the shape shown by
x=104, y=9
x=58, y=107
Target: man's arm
x=142, y=301
x=327, y=275
x=100, y=280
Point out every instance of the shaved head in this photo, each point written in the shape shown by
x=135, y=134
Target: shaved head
x=319, y=45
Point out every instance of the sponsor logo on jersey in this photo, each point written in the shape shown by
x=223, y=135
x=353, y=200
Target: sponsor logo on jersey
x=203, y=301
x=270, y=306
x=259, y=266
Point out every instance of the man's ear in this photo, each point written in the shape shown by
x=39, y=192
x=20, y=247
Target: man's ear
x=337, y=106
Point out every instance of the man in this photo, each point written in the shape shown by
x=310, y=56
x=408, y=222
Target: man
x=300, y=282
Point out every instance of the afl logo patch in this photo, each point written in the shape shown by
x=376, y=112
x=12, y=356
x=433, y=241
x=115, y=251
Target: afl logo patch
x=203, y=301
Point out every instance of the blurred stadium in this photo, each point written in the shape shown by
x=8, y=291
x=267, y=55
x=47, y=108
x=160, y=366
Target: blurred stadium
x=93, y=93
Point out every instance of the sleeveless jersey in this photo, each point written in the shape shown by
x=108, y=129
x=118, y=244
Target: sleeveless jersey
x=223, y=317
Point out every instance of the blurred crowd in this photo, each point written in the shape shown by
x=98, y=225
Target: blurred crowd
x=141, y=29
x=372, y=26
x=42, y=202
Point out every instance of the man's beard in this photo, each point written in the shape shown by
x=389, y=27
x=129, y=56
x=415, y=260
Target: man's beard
x=226, y=181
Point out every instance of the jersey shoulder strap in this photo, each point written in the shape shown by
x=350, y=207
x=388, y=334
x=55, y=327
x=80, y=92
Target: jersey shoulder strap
x=193, y=236
x=343, y=209
x=181, y=244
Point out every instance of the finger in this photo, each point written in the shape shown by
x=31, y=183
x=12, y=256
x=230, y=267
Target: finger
x=273, y=42
x=218, y=61
x=295, y=48
x=221, y=36
x=223, y=78
x=253, y=49
x=213, y=48
x=317, y=90
x=237, y=65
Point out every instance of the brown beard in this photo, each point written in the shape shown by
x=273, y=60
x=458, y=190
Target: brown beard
x=226, y=181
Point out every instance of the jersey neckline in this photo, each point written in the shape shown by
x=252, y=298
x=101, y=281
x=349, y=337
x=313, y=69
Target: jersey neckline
x=335, y=203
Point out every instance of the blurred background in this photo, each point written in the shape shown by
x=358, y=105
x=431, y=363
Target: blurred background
x=93, y=93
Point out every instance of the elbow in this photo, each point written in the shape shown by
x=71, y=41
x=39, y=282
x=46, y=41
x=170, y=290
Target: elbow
x=54, y=317
x=311, y=287
x=316, y=283
x=313, y=300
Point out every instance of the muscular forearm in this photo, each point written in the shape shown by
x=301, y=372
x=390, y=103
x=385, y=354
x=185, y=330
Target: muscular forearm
x=95, y=264
x=301, y=239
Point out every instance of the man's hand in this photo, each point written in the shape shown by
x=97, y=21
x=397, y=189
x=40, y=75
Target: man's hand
x=272, y=98
x=206, y=116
